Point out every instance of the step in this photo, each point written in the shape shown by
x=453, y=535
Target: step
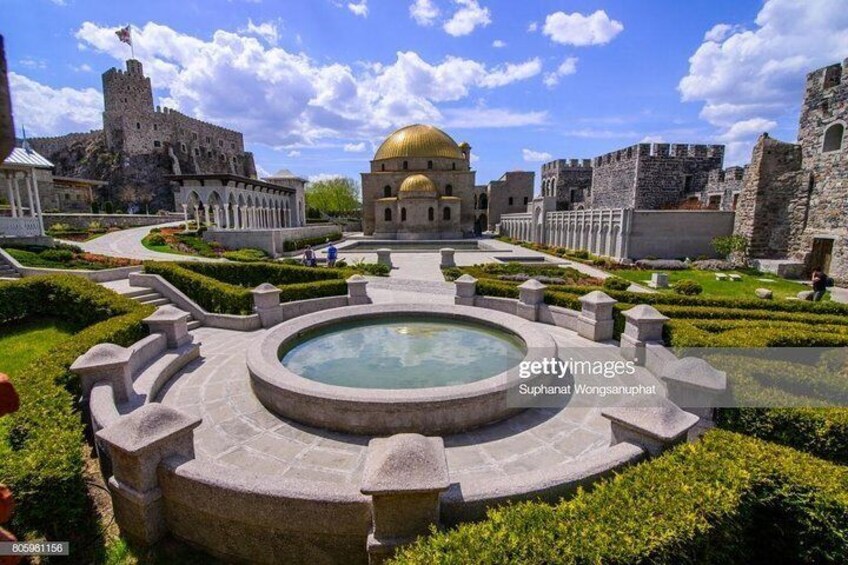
x=194, y=324
x=137, y=291
x=153, y=377
x=155, y=301
x=149, y=295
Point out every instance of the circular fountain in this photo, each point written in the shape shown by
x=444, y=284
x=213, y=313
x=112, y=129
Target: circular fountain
x=429, y=369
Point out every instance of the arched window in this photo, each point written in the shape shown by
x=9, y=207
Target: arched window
x=403, y=214
x=484, y=201
x=429, y=164
x=510, y=200
x=833, y=138
x=387, y=191
x=430, y=214
x=446, y=214
x=387, y=215
x=405, y=165
x=448, y=190
x=382, y=166
x=453, y=166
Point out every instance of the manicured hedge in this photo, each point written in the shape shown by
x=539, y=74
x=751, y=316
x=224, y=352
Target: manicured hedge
x=725, y=499
x=295, y=244
x=209, y=284
x=41, y=445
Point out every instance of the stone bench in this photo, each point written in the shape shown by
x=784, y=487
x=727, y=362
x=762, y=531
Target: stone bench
x=721, y=276
x=734, y=277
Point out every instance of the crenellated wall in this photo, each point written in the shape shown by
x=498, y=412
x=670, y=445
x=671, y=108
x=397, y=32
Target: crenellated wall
x=569, y=180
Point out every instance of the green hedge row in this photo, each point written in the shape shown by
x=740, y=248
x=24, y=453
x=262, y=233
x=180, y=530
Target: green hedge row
x=295, y=244
x=41, y=445
x=725, y=499
x=214, y=292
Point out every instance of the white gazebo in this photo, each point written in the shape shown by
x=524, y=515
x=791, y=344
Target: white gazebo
x=19, y=172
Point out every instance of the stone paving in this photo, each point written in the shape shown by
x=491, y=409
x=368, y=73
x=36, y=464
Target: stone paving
x=238, y=431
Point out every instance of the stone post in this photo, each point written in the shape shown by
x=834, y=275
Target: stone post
x=447, y=257
x=105, y=362
x=466, y=290
x=531, y=294
x=644, y=324
x=404, y=475
x=596, y=320
x=137, y=443
x=654, y=428
x=266, y=303
x=172, y=322
x=384, y=257
x=357, y=291
x=694, y=385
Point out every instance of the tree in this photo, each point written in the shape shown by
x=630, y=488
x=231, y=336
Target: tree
x=729, y=244
x=334, y=196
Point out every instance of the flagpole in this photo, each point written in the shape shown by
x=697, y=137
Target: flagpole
x=132, y=47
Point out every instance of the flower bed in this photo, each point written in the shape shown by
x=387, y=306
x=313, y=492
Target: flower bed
x=65, y=257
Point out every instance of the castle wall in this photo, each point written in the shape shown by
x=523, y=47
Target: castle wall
x=569, y=180
x=513, y=186
x=724, y=186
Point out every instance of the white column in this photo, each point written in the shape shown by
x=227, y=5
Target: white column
x=227, y=216
x=206, y=214
x=28, y=181
x=37, y=202
x=18, y=198
x=197, y=216
x=185, y=215
x=218, y=221
x=10, y=187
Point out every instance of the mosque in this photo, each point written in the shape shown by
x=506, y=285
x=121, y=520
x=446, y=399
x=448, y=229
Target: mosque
x=420, y=186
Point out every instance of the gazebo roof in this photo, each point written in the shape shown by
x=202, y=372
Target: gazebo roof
x=26, y=158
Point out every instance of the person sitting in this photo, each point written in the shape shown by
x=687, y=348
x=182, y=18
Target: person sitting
x=332, y=254
x=820, y=284
x=309, y=257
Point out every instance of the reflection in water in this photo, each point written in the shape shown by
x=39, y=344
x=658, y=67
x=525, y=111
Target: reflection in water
x=403, y=353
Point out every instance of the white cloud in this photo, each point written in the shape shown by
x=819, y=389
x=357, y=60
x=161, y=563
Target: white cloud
x=577, y=29
x=749, y=79
x=284, y=99
x=652, y=139
x=535, y=156
x=48, y=111
x=469, y=16
x=293, y=153
x=359, y=8
x=424, y=12
x=498, y=43
x=324, y=176
x=84, y=68
x=532, y=27
x=475, y=158
x=354, y=147
x=60, y=2
x=720, y=32
x=31, y=63
x=567, y=67
x=266, y=30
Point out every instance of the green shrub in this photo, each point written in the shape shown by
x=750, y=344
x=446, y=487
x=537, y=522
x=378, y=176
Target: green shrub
x=579, y=254
x=373, y=269
x=295, y=244
x=155, y=239
x=155, y=230
x=727, y=244
x=451, y=273
x=210, y=293
x=59, y=255
x=59, y=227
x=714, y=501
x=41, y=444
x=616, y=283
x=246, y=255
x=253, y=274
x=96, y=226
x=688, y=287
x=320, y=289
x=108, y=207
x=95, y=207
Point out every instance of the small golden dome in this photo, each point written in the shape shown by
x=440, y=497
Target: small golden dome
x=418, y=141
x=417, y=186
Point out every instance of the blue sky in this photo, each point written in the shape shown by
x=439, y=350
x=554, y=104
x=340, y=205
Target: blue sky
x=315, y=84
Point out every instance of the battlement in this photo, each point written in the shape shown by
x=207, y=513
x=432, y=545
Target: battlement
x=730, y=174
x=165, y=111
x=828, y=77
x=660, y=150
x=560, y=164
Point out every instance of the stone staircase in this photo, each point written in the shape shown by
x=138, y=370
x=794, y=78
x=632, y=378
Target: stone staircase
x=7, y=271
x=149, y=296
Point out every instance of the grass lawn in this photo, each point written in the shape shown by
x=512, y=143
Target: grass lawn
x=22, y=341
x=782, y=288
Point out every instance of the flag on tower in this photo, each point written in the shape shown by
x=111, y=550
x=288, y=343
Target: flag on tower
x=125, y=35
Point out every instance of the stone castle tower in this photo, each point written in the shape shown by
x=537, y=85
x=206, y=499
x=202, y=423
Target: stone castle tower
x=133, y=126
x=794, y=203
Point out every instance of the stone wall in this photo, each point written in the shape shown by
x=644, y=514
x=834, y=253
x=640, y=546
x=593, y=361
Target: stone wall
x=569, y=180
x=675, y=234
x=81, y=221
x=652, y=176
x=268, y=240
x=508, y=195
x=723, y=188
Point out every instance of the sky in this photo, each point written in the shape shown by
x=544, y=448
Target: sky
x=315, y=85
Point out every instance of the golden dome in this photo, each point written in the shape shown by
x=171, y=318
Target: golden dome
x=417, y=186
x=419, y=141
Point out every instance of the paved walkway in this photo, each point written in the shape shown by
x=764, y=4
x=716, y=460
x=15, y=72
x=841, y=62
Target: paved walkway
x=127, y=243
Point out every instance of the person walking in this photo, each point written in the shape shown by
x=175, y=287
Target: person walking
x=309, y=257
x=820, y=284
x=332, y=254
